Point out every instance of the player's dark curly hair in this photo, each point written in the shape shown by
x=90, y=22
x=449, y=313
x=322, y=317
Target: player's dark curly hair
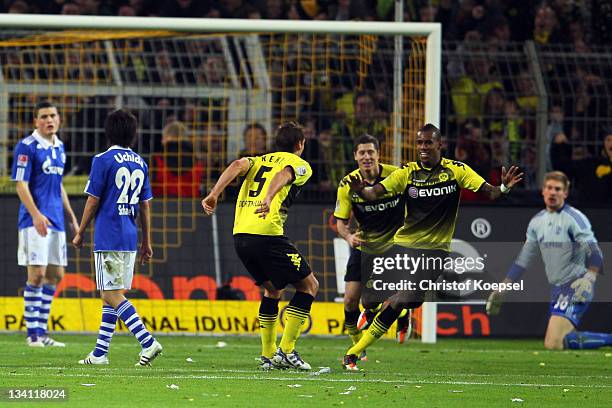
x=120, y=127
x=288, y=135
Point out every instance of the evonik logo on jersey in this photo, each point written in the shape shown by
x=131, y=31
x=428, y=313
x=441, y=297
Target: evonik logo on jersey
x=381, y=206
x=414, y=192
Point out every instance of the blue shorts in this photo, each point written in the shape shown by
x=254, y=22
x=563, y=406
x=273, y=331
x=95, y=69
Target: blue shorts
x=561, y=304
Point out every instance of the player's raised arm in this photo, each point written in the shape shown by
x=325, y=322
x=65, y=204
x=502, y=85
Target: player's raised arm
x=509, y=178
x=237, y=168
x=280, y=180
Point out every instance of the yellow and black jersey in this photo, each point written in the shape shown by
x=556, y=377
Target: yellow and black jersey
x=378, y=220
x=432, y=200
x=255, y=187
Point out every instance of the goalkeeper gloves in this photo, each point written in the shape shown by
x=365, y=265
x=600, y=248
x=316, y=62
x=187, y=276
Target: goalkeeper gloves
x=494, y=303
x=583, y=287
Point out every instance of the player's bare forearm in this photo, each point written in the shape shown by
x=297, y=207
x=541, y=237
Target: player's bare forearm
x=493, y=192
x=145, y=221
x=74, y=223
x=24, y=194
x=280, y=180
x=66, y=203
x=343, y=228
x=353, y=239
x=90, y=211
x=39, y=220
x=146, y=250
x=91, y=208
x=236, y=168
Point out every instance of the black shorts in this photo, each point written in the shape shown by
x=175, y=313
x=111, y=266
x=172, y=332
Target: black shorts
x=353, y=266
x=271, y=258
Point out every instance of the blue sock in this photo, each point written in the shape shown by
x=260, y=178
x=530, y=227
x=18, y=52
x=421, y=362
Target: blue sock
x=32, y=299
x=586, y=340
x=127, y=313
x=107, y=328
x=48, y=291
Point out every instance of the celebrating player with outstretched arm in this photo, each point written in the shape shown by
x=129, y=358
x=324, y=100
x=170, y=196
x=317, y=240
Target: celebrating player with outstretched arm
x=572, y=258
x=271, y=183
x=431, y=186
x=38, y=168
x=378, y=222
x=119, y=192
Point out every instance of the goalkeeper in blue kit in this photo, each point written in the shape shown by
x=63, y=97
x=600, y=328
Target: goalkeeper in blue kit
x=572, y=260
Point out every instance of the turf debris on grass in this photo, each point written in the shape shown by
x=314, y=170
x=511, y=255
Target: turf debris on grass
x=451, y=373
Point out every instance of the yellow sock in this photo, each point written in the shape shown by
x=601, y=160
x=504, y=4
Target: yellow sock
x=294, y=322
x=351, y=317
x=267, y=331
x=354, y=333
x=369, y=337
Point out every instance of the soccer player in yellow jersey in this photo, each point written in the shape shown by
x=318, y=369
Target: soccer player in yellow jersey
x=271, y=183
x=431, y=186
x=378, y=221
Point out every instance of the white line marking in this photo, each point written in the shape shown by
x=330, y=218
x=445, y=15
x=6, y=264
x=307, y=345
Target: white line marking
x=332, y=380
x=255, y=371
x=379, y=347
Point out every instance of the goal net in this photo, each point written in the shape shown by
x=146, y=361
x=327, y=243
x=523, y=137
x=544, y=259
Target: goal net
x=206, y=92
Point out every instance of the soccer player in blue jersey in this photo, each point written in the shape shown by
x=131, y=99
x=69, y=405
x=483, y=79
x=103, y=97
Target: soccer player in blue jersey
x=572, y=260
x=119, y=192
x=38, y=167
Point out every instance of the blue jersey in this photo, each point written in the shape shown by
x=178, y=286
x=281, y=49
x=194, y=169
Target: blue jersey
x=120, y=179
x=41, y=165
x=566, y=242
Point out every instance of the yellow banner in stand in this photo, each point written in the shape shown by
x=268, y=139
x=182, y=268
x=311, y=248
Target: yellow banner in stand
x=173, y=316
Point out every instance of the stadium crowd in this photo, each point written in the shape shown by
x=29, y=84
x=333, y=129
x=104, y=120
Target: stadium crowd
x=489, y=106
x=553, y=21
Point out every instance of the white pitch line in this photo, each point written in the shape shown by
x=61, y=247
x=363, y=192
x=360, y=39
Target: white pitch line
x=254, y=371
x=318, y=378
x=379, y=347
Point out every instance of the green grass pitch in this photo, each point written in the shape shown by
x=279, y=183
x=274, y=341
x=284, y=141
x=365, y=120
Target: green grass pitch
x=451, y=373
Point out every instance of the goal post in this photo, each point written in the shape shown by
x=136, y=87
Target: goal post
x=251, y=91
x=433, y=32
